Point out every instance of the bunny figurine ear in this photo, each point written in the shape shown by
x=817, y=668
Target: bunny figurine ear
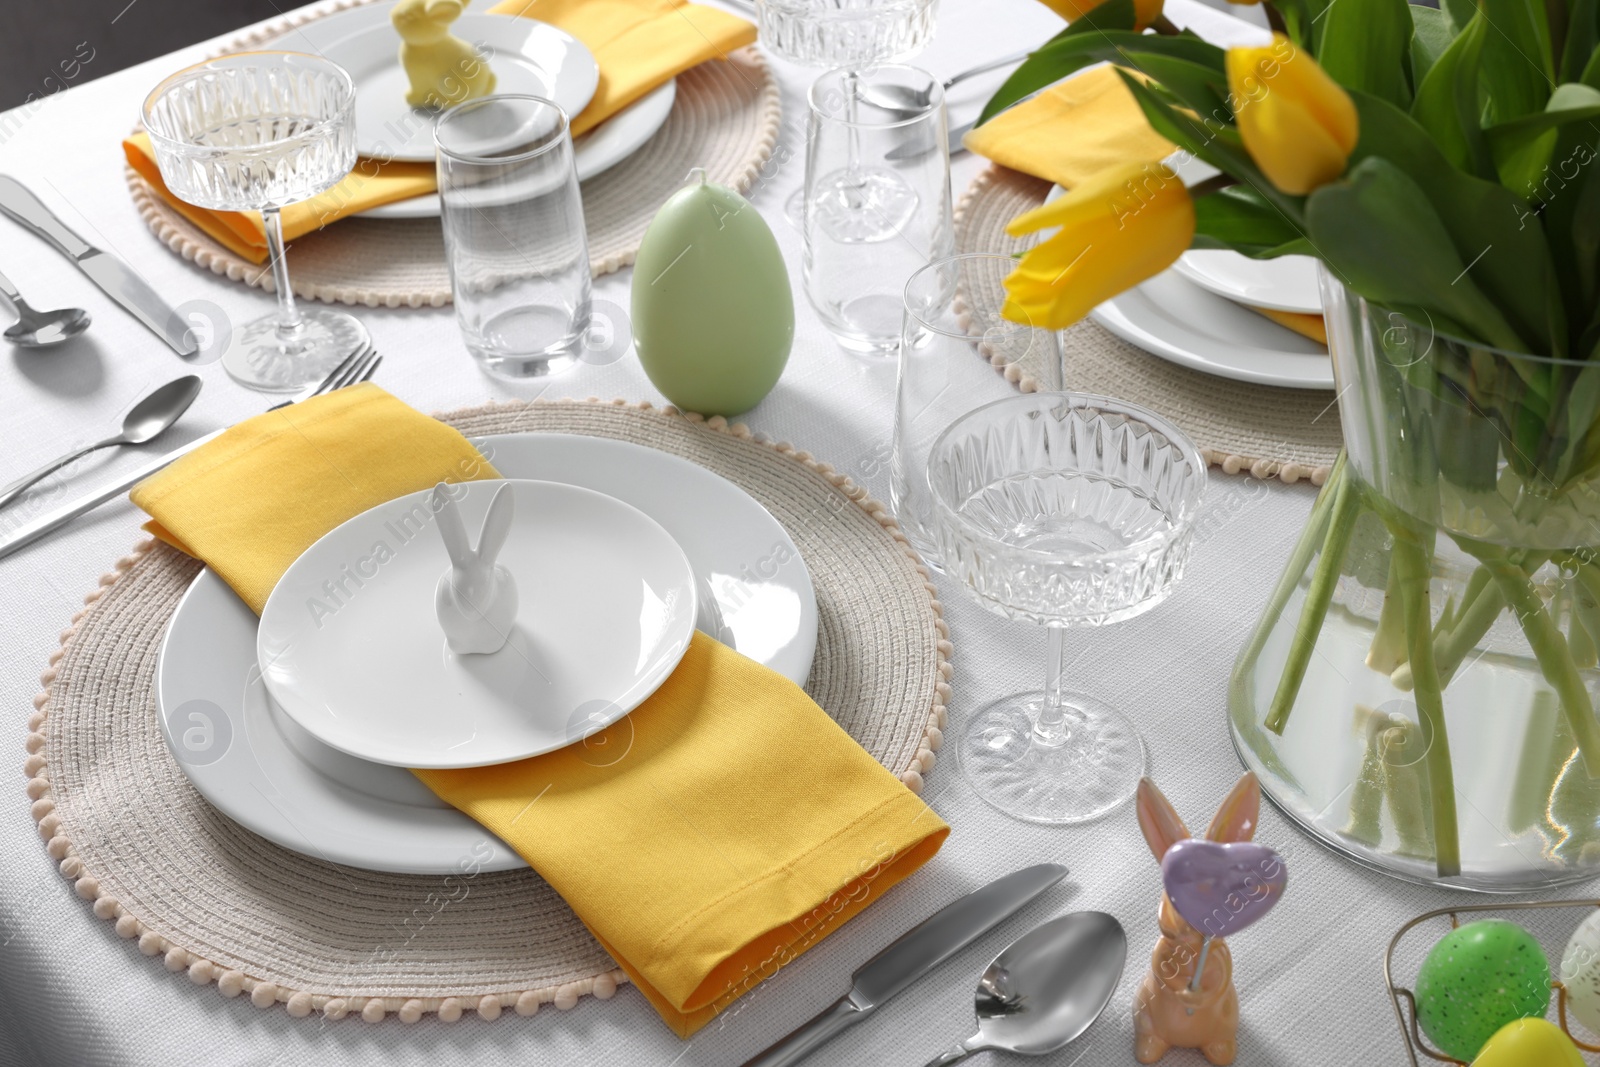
x=1236, y=819
x=497, y=524
x=1160, y=823
x=451, y=528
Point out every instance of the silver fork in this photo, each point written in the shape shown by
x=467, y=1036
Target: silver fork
x=358, y=367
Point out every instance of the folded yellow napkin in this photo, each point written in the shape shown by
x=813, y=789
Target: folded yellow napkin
x=1071, y=130
x=251, y=501
x=1083, y=125
x=637, y=44
x=722, y=828
x=717, y=832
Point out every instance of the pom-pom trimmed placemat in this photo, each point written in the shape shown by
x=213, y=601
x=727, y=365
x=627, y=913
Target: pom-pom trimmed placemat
x=1268, y=432
x=211, y=899
x=725, y=118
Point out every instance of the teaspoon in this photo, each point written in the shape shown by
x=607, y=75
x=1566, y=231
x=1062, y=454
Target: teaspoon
x=36, y=329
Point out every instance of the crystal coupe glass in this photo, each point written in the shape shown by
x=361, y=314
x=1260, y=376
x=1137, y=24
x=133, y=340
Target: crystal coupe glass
x=257, y=131
x=1062, y=509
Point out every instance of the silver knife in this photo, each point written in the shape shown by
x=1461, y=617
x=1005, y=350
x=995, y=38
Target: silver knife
x=918, y=951
x=115, y=277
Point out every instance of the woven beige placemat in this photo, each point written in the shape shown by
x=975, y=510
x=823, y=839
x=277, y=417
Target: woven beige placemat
x=1288, y=434
x=725, y=118
x=211, y=898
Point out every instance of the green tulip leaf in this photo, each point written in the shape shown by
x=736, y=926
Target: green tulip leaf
x=1446, y=104
x=1461, y=11
x=1069, y=52
x=1523, y=147
x=1517, y=272
x=1583, y=36
x=1366, y=45
x=1241, y=219
x=1197, y=87
x=1302, y=20
x=1433, y=30
x=1518, y=67
x=1357, y=223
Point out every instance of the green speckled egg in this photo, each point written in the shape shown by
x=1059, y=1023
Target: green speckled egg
x=1475, y=980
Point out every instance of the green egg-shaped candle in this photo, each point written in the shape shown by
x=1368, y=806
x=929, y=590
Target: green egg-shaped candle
x=713, y=315
x=1477, y=979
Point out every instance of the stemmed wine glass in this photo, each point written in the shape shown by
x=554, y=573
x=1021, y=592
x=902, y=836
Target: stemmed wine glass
x=849, y=34
x=1062, y=509
x=254, y=132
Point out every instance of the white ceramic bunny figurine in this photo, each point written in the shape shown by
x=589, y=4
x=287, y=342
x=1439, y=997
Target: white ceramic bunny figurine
x=476, y=599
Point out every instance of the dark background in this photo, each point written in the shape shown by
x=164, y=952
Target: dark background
x=48, y=45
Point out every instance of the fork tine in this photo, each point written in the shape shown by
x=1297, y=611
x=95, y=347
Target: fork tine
x=337, y=372
x=372, y=368
x=349, y=370
x=363, y=369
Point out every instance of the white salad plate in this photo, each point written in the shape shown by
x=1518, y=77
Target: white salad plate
x=1288, y=283
x=351, y=647
x=1171, y=318
x=526, y=56
x=256, y=765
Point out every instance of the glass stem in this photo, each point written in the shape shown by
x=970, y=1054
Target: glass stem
x=290, y=325
x=1057, y=716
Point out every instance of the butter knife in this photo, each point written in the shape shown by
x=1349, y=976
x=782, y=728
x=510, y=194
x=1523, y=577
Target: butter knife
x=918, y=951
x=113, y=276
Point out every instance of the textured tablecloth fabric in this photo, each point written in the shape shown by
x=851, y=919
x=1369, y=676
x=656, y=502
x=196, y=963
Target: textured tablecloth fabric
x=73, y=993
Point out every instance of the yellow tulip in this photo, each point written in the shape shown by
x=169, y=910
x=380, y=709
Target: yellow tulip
x=1119, y=227
x=1296, y=122
x=1144, y=11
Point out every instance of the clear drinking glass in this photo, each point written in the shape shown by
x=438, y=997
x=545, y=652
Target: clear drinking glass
x=953, y=340
x=514, y=234
x=1061, y=509
x=877, y=205
x=254, y=132
x=845, y=33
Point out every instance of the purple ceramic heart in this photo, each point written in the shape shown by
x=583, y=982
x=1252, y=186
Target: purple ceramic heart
x=1222, y=888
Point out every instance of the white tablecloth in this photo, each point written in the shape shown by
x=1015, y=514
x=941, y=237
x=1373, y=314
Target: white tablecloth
x=72, y=992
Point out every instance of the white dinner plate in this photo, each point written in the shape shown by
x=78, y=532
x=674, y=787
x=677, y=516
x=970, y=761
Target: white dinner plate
x=256, y=765
x=1171, y=318
x=526, y=56
x=350, y=644
x=597, y=151
x=1288, y=283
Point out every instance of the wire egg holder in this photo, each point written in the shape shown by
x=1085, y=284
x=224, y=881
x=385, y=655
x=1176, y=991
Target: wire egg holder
x=1410, y=1032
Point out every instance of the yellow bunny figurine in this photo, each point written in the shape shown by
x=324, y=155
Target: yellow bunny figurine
x=443, y=69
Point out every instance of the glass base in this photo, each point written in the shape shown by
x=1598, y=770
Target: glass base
x=794, y=208
x=530, y=342
x=868, y=325
x=862, y=206
x=258, y=359
x=1095, y=771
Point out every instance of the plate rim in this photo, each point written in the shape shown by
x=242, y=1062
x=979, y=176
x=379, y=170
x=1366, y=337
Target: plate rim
x=637, y=693
x=1195, y=276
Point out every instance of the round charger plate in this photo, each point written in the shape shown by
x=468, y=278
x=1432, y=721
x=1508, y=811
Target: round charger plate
x=528, y=57
x=204, y=895
x=1266, y=431
x=276, y=779
x=725, y=118
x=350, y=643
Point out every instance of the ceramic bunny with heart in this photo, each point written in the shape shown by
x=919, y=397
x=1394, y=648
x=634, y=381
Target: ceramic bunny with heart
x=476, y=599
x=1167, y=1013
x=442, y=68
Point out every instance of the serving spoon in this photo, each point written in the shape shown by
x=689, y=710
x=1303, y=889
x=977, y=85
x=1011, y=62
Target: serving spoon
x=1047, y=987
x=149, y=418
x=37, y=329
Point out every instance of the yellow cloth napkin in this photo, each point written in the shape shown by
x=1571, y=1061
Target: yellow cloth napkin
x=251, y=501
x=1083, y=125
x=637, y=44
x=709, y=837
x=1071, y=130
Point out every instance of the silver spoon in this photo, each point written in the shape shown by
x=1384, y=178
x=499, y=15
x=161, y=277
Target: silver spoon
x=149, y=419
x=36, y=329
x=1047, y=987
x=903, y=98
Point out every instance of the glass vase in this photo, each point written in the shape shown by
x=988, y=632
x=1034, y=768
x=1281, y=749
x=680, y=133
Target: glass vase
x=1419, y=692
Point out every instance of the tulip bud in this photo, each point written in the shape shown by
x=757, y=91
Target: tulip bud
x=1144, y=11
x=1119, y=227
x=1297, y=123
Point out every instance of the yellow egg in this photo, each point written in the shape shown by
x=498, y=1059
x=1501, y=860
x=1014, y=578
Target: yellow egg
x=1529, y=1043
